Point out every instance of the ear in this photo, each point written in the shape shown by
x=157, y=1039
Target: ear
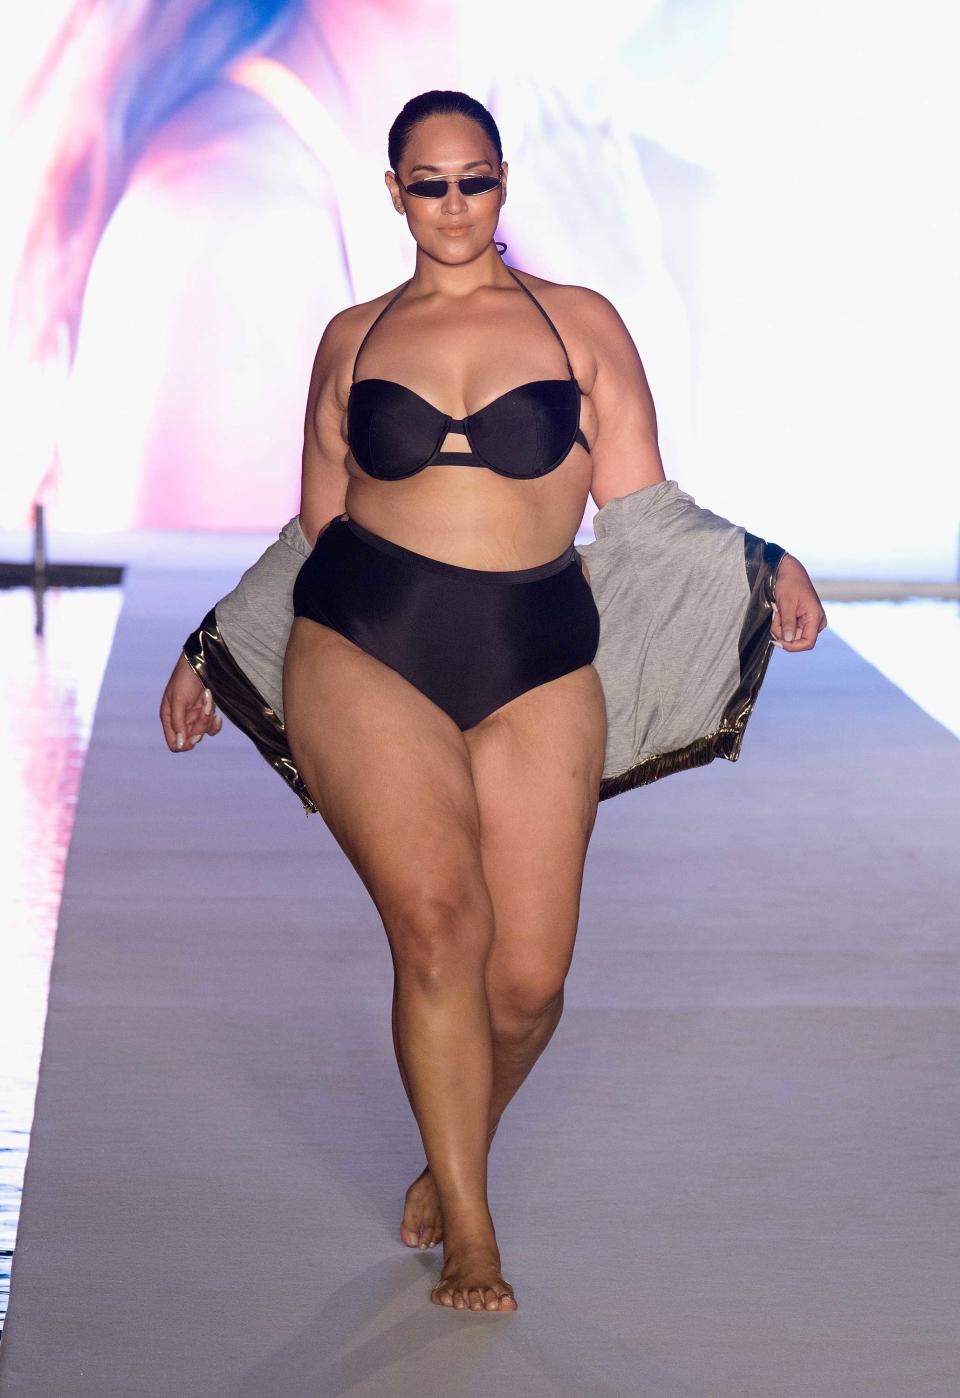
x=390, y=180
x=503, y=183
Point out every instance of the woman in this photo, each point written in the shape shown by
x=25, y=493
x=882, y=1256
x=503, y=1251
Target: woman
x=440, y=700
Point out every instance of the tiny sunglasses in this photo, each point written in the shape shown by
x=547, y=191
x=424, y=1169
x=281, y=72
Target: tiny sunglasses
x=436, y=187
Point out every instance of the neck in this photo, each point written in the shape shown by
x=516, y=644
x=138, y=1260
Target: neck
x=433, y=278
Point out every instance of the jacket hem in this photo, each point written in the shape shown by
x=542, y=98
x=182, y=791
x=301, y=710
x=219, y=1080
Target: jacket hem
x=243, y=704
x=755, y=644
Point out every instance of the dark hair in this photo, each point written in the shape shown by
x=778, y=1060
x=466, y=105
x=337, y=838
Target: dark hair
x=438, y=103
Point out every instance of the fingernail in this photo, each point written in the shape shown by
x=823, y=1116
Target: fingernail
x=179, y=740
x=207, y=701
x=788, y=635
x=195, y=739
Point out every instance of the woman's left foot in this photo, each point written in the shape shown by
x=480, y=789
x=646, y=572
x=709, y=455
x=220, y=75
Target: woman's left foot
x=422, y=1225
x=472, y=1280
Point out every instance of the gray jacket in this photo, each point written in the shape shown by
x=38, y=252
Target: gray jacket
x=685, y=601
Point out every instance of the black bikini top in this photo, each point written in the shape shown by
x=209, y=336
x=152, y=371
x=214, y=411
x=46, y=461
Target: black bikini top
x=526, y=432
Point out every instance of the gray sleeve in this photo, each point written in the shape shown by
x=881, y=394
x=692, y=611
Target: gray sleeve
x=255, y=618
x=685, y=599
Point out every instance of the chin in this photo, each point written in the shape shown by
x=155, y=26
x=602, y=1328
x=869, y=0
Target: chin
x=459, y=249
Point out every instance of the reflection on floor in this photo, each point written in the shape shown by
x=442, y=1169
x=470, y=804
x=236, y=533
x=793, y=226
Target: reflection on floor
x=48, y=698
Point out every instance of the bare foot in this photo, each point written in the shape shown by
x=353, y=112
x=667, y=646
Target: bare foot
x=471, y=1280
x=422, y=1225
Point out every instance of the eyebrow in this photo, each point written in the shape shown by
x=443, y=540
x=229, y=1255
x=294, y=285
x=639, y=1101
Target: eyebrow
x=435, y=169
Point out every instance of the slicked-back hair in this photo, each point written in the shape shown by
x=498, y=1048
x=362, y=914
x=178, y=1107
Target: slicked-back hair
x=439, y=103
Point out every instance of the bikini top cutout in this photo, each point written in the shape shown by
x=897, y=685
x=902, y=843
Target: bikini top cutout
x=526, y=432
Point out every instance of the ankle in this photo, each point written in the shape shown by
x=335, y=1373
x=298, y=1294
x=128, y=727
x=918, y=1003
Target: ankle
x=468, y=1221
x=469, y=1239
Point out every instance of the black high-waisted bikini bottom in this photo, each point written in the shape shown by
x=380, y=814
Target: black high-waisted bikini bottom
x=468, y=638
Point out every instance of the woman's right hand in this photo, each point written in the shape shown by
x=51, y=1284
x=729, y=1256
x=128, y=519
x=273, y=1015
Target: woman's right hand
x=187, y=710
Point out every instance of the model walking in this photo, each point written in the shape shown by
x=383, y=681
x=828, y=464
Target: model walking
x=439, y=695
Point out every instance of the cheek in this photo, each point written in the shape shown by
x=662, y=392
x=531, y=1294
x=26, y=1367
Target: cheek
x=421, y=215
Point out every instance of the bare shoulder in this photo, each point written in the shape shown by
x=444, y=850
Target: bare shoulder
x=342, y=335
x=353, y=322
x=577, y=300
x=596, y=316
x=591, y=321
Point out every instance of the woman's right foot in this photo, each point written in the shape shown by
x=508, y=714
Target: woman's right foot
x=422, y=1225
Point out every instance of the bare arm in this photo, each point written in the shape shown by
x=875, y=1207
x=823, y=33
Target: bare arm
x=625, y=453
x=324, y=475
x=626, y=457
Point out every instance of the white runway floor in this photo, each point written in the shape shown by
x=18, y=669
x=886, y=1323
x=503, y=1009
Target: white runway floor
x=733, y=1174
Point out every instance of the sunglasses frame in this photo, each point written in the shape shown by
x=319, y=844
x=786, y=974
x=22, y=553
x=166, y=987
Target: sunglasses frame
x=447, y=181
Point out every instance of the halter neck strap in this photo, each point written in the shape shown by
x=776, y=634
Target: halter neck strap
x=397, y=294
x=545, y=316
x=376, y=321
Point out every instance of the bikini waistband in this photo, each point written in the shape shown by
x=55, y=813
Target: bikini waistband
x=454, y=570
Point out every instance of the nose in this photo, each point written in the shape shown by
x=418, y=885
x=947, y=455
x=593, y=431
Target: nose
x=453, y=201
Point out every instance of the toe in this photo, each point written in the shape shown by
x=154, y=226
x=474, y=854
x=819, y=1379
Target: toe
x=475, y=1299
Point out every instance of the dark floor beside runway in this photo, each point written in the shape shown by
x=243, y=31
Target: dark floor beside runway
x=732, y=1174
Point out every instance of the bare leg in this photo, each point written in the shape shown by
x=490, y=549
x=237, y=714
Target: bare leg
x=391, y=776
x=537, y=815
x=422, y=1222
x=513, y=1058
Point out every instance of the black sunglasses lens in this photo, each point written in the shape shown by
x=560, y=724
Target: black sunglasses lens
x=478, y=184
x=428, y=189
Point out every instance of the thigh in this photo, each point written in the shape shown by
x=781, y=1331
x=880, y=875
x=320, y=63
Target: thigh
x=389, y=773
x=537, y=764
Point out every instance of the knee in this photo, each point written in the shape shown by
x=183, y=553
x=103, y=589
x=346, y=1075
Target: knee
x=437, y=938
x=523, y=997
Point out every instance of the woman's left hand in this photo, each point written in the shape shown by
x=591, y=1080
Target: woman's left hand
x=798, y=617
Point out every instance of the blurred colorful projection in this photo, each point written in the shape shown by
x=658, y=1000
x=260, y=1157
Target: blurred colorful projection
x=197, y=186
